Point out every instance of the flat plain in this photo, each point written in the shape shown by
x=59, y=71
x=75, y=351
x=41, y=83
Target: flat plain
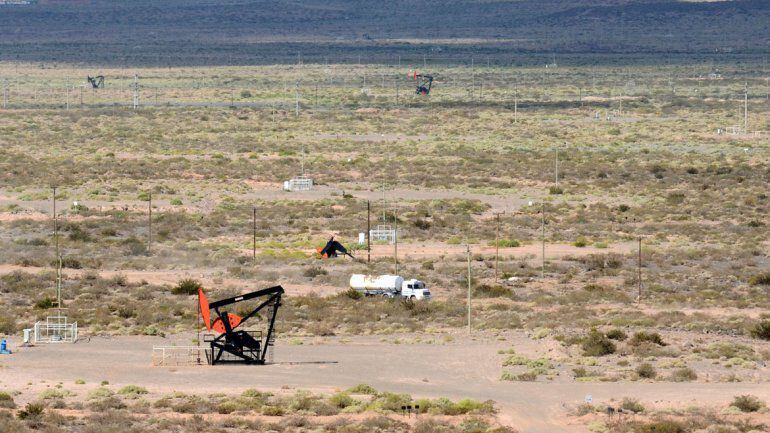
x=672, y=158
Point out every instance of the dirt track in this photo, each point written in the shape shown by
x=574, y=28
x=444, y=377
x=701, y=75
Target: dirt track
x=463, y=368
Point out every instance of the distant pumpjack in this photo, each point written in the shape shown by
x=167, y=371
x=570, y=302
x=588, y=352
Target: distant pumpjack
x=424, y=83
x=96, y=82
x=333, y=249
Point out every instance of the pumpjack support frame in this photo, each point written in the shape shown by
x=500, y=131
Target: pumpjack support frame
x=424, y=84
x=234, y=345
x=332, y=249
x=96, y=82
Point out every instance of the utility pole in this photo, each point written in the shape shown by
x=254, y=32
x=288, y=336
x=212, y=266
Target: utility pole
x=542, y=238
x=296, y=99
x=58, y=254
x=497, y=243
x=135, y=88
x=395, y=239
x=557, y=167
x=5, y=93
x=473, y=74
x=746, y=110
x=55, y=224
x=368, y=232
x=468, y=251
x=397, y=88
x=254, y=235
x=302, y=163
x=515, y=104
x=149, y=222
x=639, y=271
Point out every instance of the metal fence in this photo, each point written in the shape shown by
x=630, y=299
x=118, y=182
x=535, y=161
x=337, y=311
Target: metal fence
x=55, y=329
x=178, y=355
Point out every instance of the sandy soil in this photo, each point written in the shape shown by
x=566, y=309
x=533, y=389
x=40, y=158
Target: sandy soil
x=463, y=368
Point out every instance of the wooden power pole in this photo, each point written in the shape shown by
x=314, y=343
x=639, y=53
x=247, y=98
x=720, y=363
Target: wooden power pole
x=149, y=222
x=497, y=243
x=468, y=250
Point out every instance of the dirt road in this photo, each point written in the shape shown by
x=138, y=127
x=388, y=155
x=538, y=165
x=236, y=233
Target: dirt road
x=462, y=368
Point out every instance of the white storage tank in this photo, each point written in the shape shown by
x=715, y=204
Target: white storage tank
x=391, y=283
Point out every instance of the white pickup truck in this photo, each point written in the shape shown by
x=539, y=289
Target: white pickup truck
x=389, y=286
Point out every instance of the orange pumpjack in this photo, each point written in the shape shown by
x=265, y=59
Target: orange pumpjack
x=234, y=345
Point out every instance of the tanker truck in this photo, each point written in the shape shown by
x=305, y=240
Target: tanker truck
x=389, y=286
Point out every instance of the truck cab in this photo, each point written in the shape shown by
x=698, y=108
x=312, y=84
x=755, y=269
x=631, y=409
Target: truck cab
x=414, y=289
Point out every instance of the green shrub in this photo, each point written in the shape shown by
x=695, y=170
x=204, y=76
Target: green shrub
x=176, y=202
x=492, y=291
x=6, y=401
x=761, y=279
x=100, y=392
x=646, y=337
x=132, y=390
x=314, y=272
x=342, y=400
x=748, y=403
x=580, y=372
x=581, y=242
x=352, y=294
x=597, y=344
x=528, y=376
x=105, y=404
x=187, y=286
x=684, y=374
x=273, y=411
x=45, y=303
x=616, y=334
x=761, y=330
x=228, y=407
x=631, y=405
x=507, y=243
x=555, y=190
x=256, y=394
x=390, y=401
x=51, y=394
x=31, y=411
x=665, y=426
x=362, y=389
x=646, y=371
x=7, y=324
x=466, y=406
